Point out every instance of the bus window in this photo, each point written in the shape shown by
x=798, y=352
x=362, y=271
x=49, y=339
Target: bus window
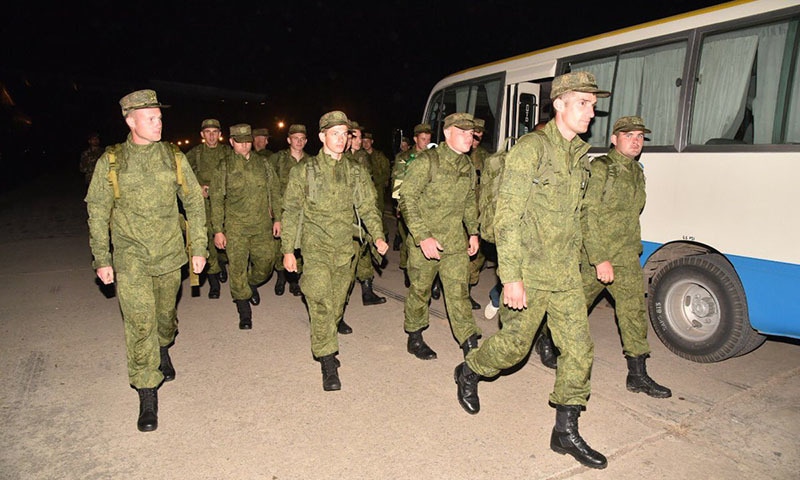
x=746, y=87
x=479, y=97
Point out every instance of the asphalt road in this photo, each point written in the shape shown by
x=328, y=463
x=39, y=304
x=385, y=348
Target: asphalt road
x=249, y=404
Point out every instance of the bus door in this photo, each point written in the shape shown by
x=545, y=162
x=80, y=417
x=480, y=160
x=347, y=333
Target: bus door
x=522, y=110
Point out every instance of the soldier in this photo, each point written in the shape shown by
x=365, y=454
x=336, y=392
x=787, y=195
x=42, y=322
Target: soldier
x=89, y=156
x=364, y=271
x=612, y=243
x=134, y=191
x=381, y=170
x=205, y=159
x=319, y=214
x=246, y=217
x=437, y=201
x=477, y=154
x=405, y=144
x=537, y=225
x=285, y=160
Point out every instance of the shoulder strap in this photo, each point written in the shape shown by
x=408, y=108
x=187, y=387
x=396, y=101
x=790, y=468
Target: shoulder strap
x=112, y=168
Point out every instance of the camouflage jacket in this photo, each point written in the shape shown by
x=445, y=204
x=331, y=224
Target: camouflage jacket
x=437, y=198
x=205, y=160
x=380, y=168
x=245, y=195
x=615, y=196
x=269, y=156
x=285, y=161
x=145, y=222
x=401, y=163
x=537, y=222
x=318, y=208
x=88, y=161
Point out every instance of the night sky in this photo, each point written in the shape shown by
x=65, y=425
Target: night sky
x=66, y=65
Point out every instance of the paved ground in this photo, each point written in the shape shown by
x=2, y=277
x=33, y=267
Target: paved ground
x=249, y=404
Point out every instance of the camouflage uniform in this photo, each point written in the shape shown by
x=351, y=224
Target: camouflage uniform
x=149, y=248
x=478, y=156
x=401, y=163
x=362, y=268
x=538, y=243
x=437, y=199
x=284, y=162
x=380, y=176
x=245, y=201
x=88, y=161
x=318, y=215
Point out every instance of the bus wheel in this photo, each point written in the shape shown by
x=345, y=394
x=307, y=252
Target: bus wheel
x=698, y=309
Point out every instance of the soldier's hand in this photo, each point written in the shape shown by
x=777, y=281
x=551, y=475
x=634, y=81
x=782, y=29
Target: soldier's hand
x=605, y=272
x=276, y=229
x=474, y=245
x=198, y=264
x=431, y=248
x=514, y=295
x=106, y=275
x=220, y=241
x=289, y=262
x=382, y=246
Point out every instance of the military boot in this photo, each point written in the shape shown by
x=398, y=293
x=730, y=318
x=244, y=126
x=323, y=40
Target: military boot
x=475, y=304
x=330, y=373
x=213, y=285
x=639, y=381
x=223, y=271
x=255, y=298
x=280, y=283
x=436, y=289
x=245, y=314
x=467, y=382
x=417, y=346
x=148, y=409
x=294, y=283
x=566, y=440
x=343, y=328
x=398, y=240
x=469, y=344
x=546, y=349
x=406, y=280
x=368, y=297
x=166, y=365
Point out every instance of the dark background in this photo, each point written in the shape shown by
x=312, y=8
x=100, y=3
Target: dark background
x=66, y=65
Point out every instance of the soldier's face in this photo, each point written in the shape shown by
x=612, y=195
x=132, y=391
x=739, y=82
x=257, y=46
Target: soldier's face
x=422, y=140
x=334, y=140
x=241, y=148
x=476, y=139
x=297, y=141
x=367, y=143
x=459, y=140
x=356, y=140
x=577, y=111
x=145, y=125
x=404, y=146
x=260, y=142
x=629, y=144
x=211, y=136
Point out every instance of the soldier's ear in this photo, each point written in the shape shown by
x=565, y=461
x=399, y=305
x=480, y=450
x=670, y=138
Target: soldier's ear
x=558, y=104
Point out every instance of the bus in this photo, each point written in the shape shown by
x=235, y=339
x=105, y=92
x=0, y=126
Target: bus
x=720, y=89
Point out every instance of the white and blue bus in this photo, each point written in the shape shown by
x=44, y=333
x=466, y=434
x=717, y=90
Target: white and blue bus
x=720, y=90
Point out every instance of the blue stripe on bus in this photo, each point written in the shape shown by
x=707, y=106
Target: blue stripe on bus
x=772, y=290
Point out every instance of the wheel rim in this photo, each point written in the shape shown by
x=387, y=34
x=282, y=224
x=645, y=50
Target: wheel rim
x=692, y=310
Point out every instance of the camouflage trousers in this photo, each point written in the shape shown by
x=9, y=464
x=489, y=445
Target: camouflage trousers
x=215, y=257
x=402, y=230
x=251, y=259
x=566, y=315
x=325, y=288
x=475, y=266
x=148, y=304
x=452, y=270
x=627, y=290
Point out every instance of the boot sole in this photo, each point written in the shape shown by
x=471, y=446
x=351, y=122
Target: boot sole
x=564, y=451
x=653, y=395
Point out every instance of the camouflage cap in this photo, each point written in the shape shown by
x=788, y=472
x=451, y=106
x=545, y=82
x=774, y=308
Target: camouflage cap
x=210, y=123
x=630, y=124
x=576, y=82
x=264, y=132
x=139, y=99
x=464, y=121
x=368, y=135
x=423, y=128
x=297, y=128
x=333, y=119
x=355, y=126
x=405, y=139
x=241, y=133
x=480, y=125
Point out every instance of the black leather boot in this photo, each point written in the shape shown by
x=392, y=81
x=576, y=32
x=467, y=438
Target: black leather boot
x=280, y=283
x=546, y=349
x=213, y=285
x=223, y=272
x=417, y=346
x=436, y=289
x=148, y=409
x=639, y=381
x=330, y=373
x=566, y=440
x=294, y=283
x=398, y=240
x=469, y=344
x=245, y=314
x=406, y=280
x=343, y=328
x=166, y=365
x=467, y=381
x=368, y=297
x=475, y=304
x=255, y=299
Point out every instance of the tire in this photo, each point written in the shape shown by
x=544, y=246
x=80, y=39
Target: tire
x=698, y=309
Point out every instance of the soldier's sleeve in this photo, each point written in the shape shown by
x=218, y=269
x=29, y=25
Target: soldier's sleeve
x=594, y=219
x=191, y=157
x=471, y=211
x=216, y=196
x=99, y=204
x=194, y=206
x=275, y=197
x=515, y=187
x=367, y=209
x=414, y=182
x=293, y=202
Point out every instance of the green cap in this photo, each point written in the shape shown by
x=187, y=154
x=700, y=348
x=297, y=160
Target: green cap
x=355, y=126
x=480, y=125
x=368, y=135
x=297, y=128
x=464, y=121
x=423, y=128
x=405, y=139
x=139, y=99
x=630, y=124
x=333, y=119
x=210, y=123
x=241, y=133
x=576, y=82
x=264, y=132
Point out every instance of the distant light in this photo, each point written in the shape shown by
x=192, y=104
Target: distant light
x=281, y=125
